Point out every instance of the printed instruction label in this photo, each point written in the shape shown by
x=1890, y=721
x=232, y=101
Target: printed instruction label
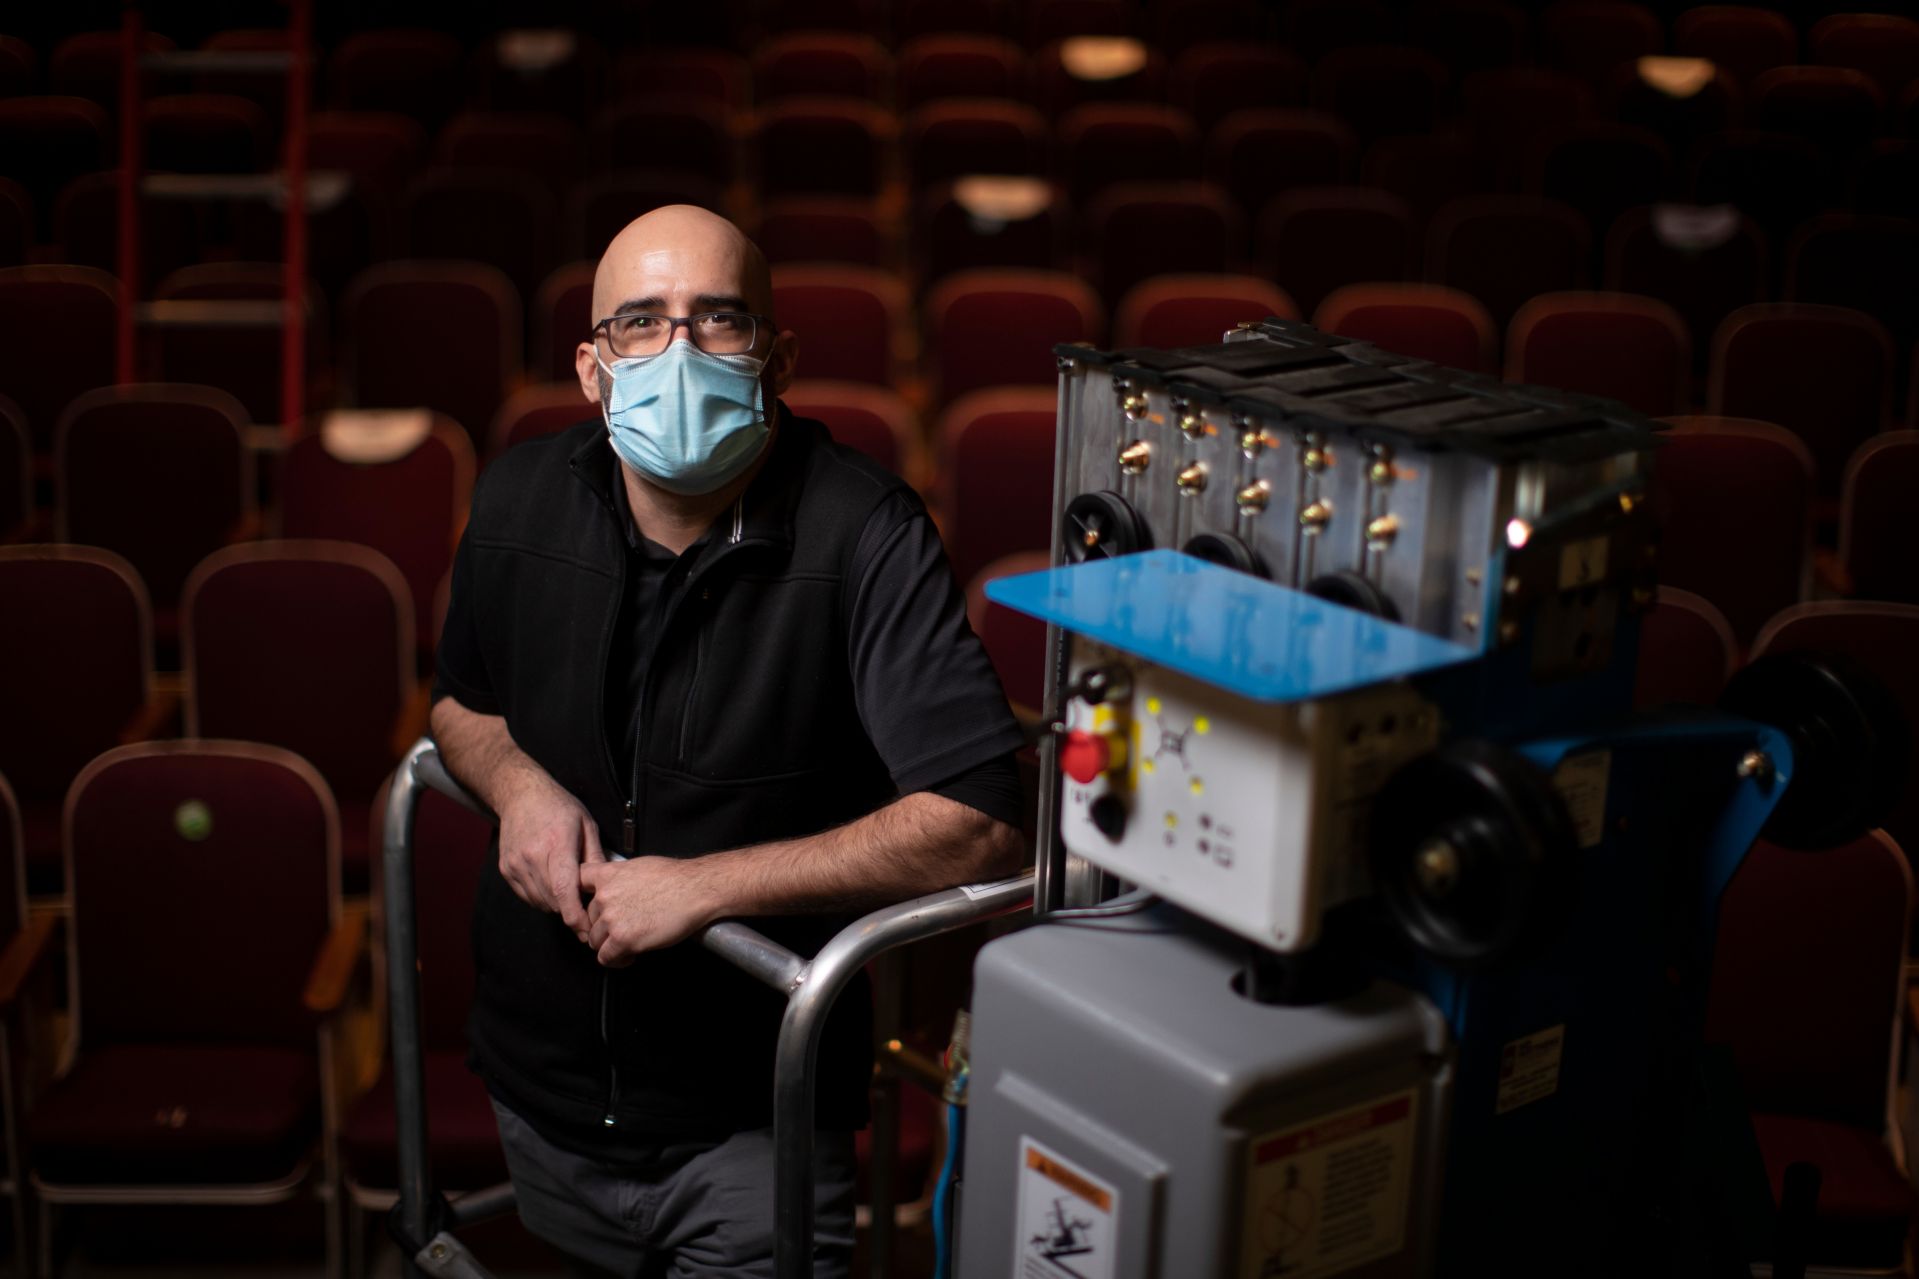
x=1529, y=1068
x=1582, y=563
x=1331, y=1194
x=1068, y=1219
x=1581, y=781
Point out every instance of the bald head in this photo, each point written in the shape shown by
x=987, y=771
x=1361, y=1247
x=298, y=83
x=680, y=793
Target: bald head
x=682, y=259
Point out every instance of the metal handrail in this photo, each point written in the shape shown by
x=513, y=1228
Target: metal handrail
x=811, y=987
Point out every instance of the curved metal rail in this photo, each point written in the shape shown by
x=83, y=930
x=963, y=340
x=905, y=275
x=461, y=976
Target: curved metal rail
x=811, y=987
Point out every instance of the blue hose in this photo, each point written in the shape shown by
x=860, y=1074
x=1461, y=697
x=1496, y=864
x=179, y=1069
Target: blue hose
x=943, y=1195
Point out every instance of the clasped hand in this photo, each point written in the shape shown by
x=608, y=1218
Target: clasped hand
x=550, y=856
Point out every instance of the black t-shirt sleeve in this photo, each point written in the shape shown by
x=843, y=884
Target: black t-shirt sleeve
x=927, y=695
x=460, y=664
x=992, y=787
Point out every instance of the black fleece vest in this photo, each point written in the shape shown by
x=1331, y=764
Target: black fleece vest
x=749, y=733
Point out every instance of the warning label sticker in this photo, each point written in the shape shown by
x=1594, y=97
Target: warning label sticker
x=1529, y=1069
x=1068, y=1219
x=1581, y=782
x=1331, y=1194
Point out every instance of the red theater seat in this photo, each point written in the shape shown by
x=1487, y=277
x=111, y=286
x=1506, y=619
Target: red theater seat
x=996, y=475
x=1058, y=19
x=1208, y=81
x=1257, y=155
x=242, y=361
x=1504, y=249
x=1470, y=34
x=17, y=235
x=852, y=322
x=59, y=322
x=1106, y=143
x=654, y=134
x=535, y=411
x=822, y=64
x=562, y=320
x=1881, y=637
x=1511, y=112
x=415, y=73
x=16, y=472
x=872, y=419
x=955, y=230
x=1735, y=498
x=1629, y=348
x=205, y=133
x=998, y=328
x=1178, y=25
x=88, y=65
x=78, y=681
x=502, y=219
x=1589, y=38
x=1192, y=310
x=1705, y=264
x=951, y=139
x=400, y=488
x=1015, y=642
x=159, y=474
x=1602, y=170
x=1807, y=985
x=823, y=228
x=1143, y=229
x=1875, y=518
x=1776, y=179
x=198, y=1077
x=539, y=147
x=1835, y=108
x=1867, y=263
x=717, y=78
x=308, y=646
x=379, y=148
x=933, y=67
x=51, y=141
x=1426, y=321
x=1883, y=45
x=1315, y=239
x=1822, y=372
x=1426, y=170
x=1687, y=652
x=86, y=229
x=599, y=208
x=403, y=322
x=1094, y=69
x=822, y=146
x=1744, y=39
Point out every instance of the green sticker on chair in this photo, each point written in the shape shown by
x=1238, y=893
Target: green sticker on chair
x=194, y=820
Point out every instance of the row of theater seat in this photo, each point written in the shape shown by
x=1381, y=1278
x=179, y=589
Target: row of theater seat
x=193, y=1072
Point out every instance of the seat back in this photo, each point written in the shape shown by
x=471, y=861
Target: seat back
x=1703, y=271
x=851, y=321
x=1191, y=310
x=998, y=328
x=205, y=875
x=306, y=645
x=16, y=470
x=1427, y=321
x=1875, y=536
x=534, y=411
x=1016, y=642
x=1735, y=500
x=1260, y=153
x=1506, y=249
x=872, y=419
x=157, y=473
x=1686, y=651
x=80, y=673
x=13, y=865
x=1629, y=348
x=1314, y=239
x=1808, y=977
x=1143, y=229
x=408, y=505
x=1879, y=637
x=450, y=846
x=996, y=475
x=59, y=322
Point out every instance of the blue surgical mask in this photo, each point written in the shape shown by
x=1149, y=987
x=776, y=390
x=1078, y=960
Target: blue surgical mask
x=686, y=420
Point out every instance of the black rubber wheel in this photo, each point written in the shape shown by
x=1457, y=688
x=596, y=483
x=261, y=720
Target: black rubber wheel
x=1101, y=525
x=1849, y=744
x=1355, y=592
x=1473, y=853
x=1226, y=551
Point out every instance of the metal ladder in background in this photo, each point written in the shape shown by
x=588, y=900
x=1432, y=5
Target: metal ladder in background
x=288, y=183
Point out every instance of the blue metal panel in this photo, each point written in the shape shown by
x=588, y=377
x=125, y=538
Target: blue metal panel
x=1249, y=636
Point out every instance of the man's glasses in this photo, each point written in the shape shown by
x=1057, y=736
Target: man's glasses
x=640, y=333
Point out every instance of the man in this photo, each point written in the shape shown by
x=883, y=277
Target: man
x=703, y=663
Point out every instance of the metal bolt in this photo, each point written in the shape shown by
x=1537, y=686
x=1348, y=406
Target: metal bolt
x=438, y=1252
x=1193, y=425
x=1134, y=406
x=1380, y=474
x=1252, y=444
x=1134, y=458
x=1627, y=501
x=1511, y=586
x=1508, y=632
x=1381, y=532
x=1316, y=517
x=1474, y=576
x=1756, y=765
x=1315, y=460
x=1252, y=499
x=1192, y=479
x=1469, y=620
x=1436, y=866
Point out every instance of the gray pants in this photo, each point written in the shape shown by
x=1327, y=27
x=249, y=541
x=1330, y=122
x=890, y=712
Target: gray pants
x=701, y=1209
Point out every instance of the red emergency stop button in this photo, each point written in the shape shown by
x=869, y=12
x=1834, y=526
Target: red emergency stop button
x=1084, y=756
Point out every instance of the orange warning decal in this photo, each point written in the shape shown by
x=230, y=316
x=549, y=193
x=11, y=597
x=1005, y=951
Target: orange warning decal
x=1340, y=1129
x=1098, y=1196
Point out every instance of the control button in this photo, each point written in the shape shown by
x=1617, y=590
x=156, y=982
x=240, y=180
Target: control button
x=1084, y=756
x=1109, y=816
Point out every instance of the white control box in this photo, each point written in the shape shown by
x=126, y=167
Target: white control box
x=1252, y=815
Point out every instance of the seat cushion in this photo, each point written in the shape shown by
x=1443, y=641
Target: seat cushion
x=1864, y=1202
x=462, y=1138
x=139, y=1114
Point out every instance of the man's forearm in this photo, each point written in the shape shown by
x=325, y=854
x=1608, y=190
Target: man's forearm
x=918, y=844
x=480, y=753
